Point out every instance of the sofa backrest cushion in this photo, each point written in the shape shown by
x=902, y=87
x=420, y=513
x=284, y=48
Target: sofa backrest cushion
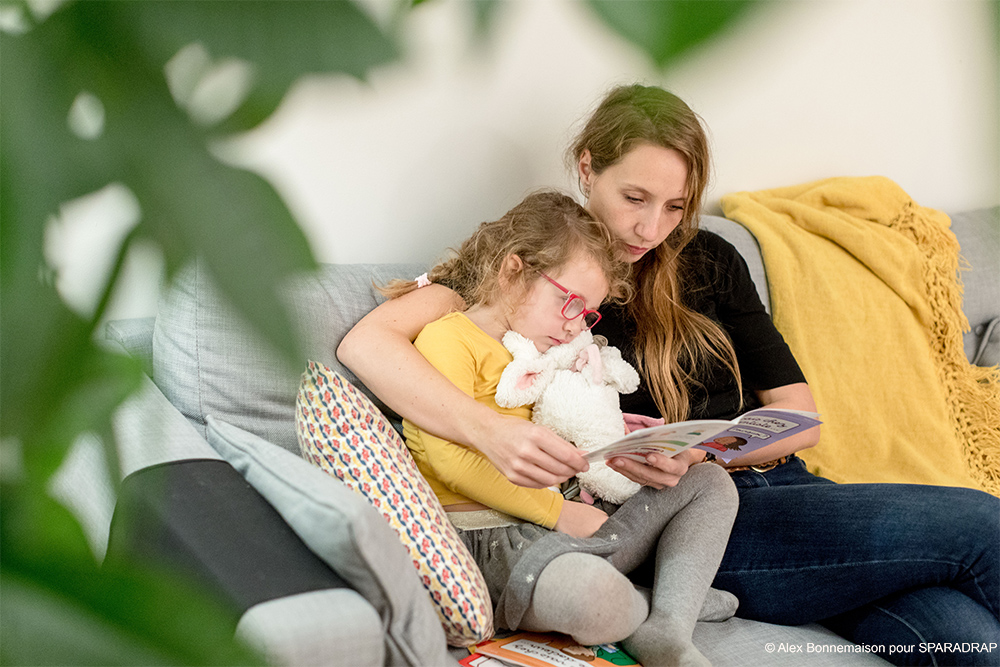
x=208, y=361
x=978, y=233
x=747, y=246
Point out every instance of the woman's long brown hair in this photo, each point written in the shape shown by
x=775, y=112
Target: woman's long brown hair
x=674, y=344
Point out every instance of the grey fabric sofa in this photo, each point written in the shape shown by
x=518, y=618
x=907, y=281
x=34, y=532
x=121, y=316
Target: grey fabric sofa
x=210, y=466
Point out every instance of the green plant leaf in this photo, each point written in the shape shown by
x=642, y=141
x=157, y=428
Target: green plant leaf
x=994, y=9
x=282, y=40
x=665, y=29
x=43, y=627
x=484, y=13
x=56, y=382
x=192, y=205
x=78, y=396
x=36, y=531
x=232, y=219
x=61, y=608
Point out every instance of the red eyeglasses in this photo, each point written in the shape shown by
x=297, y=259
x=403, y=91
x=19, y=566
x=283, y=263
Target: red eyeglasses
x=576, y=306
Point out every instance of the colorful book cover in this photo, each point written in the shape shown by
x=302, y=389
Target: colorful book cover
x=532, y=649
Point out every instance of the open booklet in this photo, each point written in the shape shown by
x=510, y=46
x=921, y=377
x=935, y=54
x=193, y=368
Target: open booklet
x=726, y=439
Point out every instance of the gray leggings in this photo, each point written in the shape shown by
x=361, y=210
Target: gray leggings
x=547, y=581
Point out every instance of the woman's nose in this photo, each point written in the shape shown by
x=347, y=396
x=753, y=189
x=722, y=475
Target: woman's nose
x=647, y=227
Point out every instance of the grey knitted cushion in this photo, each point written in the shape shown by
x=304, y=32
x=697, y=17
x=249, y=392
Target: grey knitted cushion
x=207, y=361
x=978, y=233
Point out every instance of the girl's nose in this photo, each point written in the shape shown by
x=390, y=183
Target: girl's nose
x=573, y=327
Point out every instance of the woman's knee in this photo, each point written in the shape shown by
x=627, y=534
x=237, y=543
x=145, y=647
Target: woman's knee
x=928, y=626
x=983, y=511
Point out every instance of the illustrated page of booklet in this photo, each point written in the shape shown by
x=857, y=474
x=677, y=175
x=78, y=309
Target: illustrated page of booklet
x=726, y=439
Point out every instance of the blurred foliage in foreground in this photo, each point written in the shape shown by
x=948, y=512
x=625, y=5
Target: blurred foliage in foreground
x=86, y=103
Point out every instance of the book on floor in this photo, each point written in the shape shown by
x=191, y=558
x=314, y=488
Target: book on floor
x=551, y=649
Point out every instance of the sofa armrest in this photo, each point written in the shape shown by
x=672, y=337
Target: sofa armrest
x=150, y=431
x=201, y=518
x=334, y=628
x=182, y=506
x=135, y=336
x=348, y=534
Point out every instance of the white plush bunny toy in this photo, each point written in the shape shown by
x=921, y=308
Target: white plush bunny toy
x=575, y=390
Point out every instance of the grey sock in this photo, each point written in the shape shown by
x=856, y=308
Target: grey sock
x=719, y=605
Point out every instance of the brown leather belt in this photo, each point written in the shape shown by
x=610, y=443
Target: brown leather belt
x=760, y=467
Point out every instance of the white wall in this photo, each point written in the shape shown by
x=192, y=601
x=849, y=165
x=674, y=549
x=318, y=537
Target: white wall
x=397, y=168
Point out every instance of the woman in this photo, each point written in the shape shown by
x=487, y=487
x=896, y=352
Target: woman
x=921, y=572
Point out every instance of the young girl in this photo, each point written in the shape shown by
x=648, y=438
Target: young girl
x=551, y=564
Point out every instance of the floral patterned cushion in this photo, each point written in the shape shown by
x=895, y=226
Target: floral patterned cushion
x=343, y=433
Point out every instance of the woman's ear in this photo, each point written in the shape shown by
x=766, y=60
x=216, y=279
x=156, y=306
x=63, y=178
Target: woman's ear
x=585, y=171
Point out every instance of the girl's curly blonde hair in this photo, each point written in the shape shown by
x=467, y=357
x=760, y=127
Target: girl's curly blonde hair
x=546, y=230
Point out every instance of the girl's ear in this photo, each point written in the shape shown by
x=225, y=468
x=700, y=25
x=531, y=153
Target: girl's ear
x=512, y=266
x=513, y=263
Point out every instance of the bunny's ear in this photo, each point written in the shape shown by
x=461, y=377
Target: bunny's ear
x=523, y=381
x=617, y=372
x=590, y=363
x=526, y=377
x=584, y=339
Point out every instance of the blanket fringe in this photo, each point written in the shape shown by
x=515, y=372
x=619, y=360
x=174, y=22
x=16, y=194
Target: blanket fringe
x=972, y=392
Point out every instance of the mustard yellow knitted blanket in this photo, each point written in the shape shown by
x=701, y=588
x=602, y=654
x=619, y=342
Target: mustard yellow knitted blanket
x=864, y=287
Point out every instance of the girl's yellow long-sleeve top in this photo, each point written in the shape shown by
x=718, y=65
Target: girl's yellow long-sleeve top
x=473, y=361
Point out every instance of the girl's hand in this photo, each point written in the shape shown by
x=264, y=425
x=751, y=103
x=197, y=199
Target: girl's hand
x=659, y=471
x=635, y=422
x=579, y=520
x=530, y=455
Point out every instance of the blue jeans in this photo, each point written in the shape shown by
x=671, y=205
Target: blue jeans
x=892, y=566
